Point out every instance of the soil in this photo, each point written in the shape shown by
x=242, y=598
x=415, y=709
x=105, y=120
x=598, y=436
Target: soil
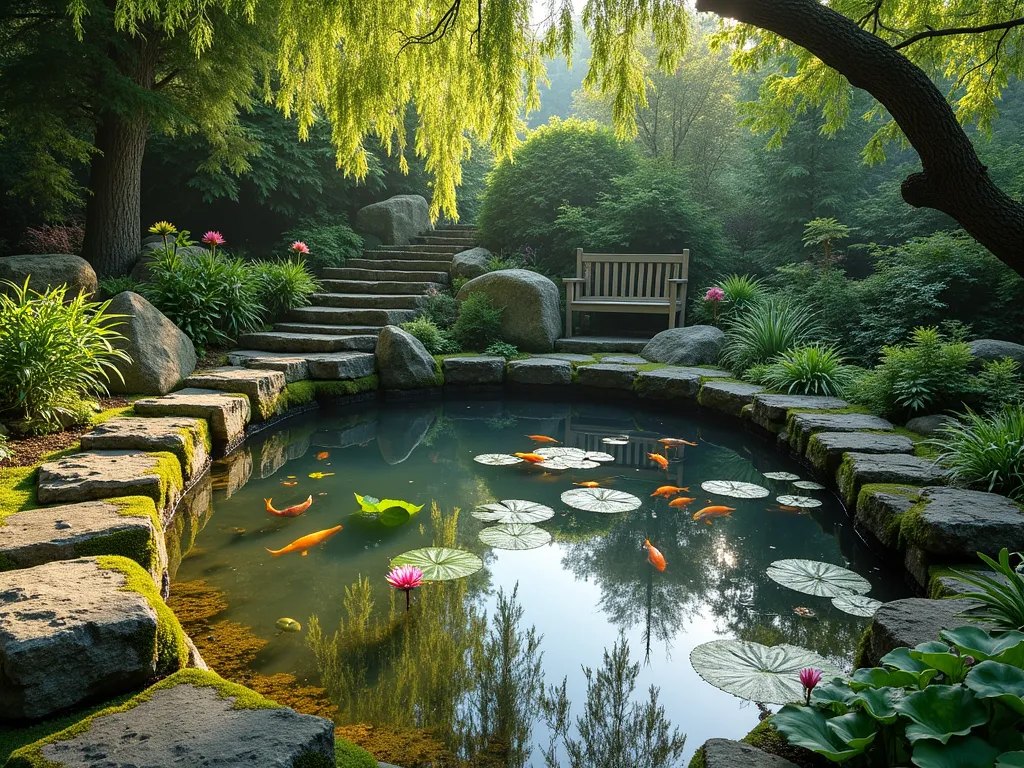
x=213, y=357
x=28, y=450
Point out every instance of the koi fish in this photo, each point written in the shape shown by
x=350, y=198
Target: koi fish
x=322, y=455
x=668, y=490
x=709, y=512
x=654, y=557
x=533, y=458
x=302, y=545
x=589, y=484
x=542, y=439
x=783, y=508
x=293, y=511
x=658, y=459
x=807, y=613
x=682, y=501
x=319, y=475
x=675, y=442
x=289, y=483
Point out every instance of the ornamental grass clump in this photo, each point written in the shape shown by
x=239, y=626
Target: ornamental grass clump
x=766, y=330
x=812, y=370
x=986, y=451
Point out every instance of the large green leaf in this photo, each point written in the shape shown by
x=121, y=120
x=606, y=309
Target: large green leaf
x=969, y=752
x=816, y=578
x=879, y=677
x=808, y=727
x=371, y=506
x=855, y=729
x=513, y=511
x=757, y=672
x=1007, y=647
x=900, y=658
x=441, y=563
x=992, y=680
x=879, y=703
x=1010, y=760
x=835, y=694
x=940, y=712
x=515, y=536
x=937, y=655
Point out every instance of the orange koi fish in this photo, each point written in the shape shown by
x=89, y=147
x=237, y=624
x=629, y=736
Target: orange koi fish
x=293, y=511
x=542, y=439
x=658, y=459
x=589, y=484
x=682, y=501
x=675, y=442
x=322, y=455
x=302, y=545
x=533, y=458
x=793, y=510
x=289, y=483
x=709, y=512
x=668, y=490
x=654, y=557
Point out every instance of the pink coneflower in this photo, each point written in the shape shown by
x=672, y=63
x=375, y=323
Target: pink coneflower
x=809, y=678
x=213, y=239
x=405, y=578
x=714, y=295
x=300, y=247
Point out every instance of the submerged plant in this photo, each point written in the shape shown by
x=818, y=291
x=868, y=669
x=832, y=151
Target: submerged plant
x=405, y=578
x=986, y=451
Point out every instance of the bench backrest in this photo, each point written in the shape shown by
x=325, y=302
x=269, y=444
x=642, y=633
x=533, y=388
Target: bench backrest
x=630, y=275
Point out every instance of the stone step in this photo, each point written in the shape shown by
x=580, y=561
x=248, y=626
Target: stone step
x=261, y=387
x=330, y=330
x=345, y=316
x=386, y=275
x=420, y=248
x=409, y=255
x=465, y=242
x=226, y=414
x=109, y=474
x=277, y=341
x=312, y=365
x=380, y=286
x=456, y=228
x=186, y=437
x=368, y=300
x=400, y=264
x=586, y=345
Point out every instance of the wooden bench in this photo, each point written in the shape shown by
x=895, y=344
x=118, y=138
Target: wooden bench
x=651, y=283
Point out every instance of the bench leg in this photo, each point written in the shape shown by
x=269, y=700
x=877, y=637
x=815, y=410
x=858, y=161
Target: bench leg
x=568, y=320
x=672, y=316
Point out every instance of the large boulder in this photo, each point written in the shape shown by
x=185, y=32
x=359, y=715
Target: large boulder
x=49, y=270
x=695, y=345
x=471, y=263
x=995, y=349
x=930, y=426
x=532, y=316
x=910, y=622
x=403, y=362
x=397, y=220
x=162, y=355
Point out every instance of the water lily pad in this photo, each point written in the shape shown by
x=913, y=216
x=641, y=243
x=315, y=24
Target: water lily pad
x=604, y=500
x=513, y=511
x=623, y=440
x=757, y=672
x=808, y=485
x=736, y=489
x=816, y=578
x=288, y=625
x=857, y=605
x=441, y=563
x=781, y=476
x=391, y=512
x=561, y=452
x=804, y=502
x=560, y=465
x=497, y=459
x=515, y=536
x=598, y=456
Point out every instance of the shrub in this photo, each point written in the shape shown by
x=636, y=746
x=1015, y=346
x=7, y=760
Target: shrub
x=442, y=309
x=986, y=452
x=479, y=323
x=54, y=352
x=284, y=285
x=53, y=238
x=433, y=338
x=1001, y=599
x=765, y=331
x=111, y=286
x=330, y=245
x=503, y=349
x=811, y=370
x=1000, y=383
x=740, y=292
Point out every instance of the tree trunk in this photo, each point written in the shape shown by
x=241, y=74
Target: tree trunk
x=112, y=217
x=953, y=179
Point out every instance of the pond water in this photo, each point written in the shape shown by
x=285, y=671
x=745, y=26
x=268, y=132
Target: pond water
x=458, y=666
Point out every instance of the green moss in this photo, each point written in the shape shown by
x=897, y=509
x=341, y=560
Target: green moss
x=911, y=526
x=111, y=413
x=860, y=656
x=892, y=526
x=300, y=393
x=345, y=388
x=845, y=481
x=768, y=739
x=138, y=545
x=650, y=366
x=168, y=469
x=170, y=649
x=18, y=484
x=348, y=755
x=936, y=591
x=315, y=760
x=31, y=756
x=697, y=761
x=191, y=437
x=848, y=409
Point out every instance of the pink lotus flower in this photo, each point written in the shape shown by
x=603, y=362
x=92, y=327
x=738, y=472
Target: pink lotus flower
x=715, y=294
x=809, y=678
x=406, y=578
x=213, y=239
x=300, y=247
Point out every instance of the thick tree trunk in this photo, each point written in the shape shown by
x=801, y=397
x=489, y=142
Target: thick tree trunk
x=112, y=217
x=953, y=179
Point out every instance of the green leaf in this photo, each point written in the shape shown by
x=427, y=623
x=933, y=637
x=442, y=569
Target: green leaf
x=900, y=658
x=940, y=712
x=877, y=677
x=1010, y=760
x=941, y=659
x=856, y=729
x=1007, y=647
x=441, y=563
x=835, y=695
x=880, y=703
x=515, y=536
x=992, y=680
x=969, y=752
x=371, y=506
x=816, y=578
x=808, y=727
x=394, y=516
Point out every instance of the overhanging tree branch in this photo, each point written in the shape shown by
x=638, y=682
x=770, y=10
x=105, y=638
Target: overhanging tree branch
x=959, y=31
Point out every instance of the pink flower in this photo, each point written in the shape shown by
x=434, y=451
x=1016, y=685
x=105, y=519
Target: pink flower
x=214, y=239
x=406, y=578
x=809, y=678
x=300, y=247
x=715, y=294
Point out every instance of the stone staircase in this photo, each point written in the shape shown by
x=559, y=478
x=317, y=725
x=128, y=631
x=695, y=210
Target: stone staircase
x=386, y=286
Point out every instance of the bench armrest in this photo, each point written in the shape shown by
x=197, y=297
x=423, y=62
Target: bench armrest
x=573, y=280
x=678, y=280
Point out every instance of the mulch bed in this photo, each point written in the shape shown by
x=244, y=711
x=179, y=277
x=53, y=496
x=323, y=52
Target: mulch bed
x=213, y=357
x=28, y=450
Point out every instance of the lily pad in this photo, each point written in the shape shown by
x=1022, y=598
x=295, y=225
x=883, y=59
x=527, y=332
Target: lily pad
x=736, y=489
x=757, y=672
x=781, y=476
x=623, y=440
x=515, y=536
x=598, y=456
x=560, y=465
x=804, y=502
x=603, y=500
x=395, y=510
x=441, y=563
x=561, y=452
x=513, y=511
x=497, y=459
x=288, y=625
x=857, y=605
x=808, y=485
x=816, y=578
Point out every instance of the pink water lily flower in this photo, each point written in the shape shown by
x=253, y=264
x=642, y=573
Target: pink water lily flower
x=300, y=247
x=714, y=294
x=405, y=578
x=213, y=239
x=809, y=678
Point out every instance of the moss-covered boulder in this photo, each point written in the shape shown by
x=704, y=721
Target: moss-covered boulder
x=771, y=411
x=725, y=753
x=880, y=510
x=825, y=449
x=606, y=376
x=187, y=438
x=226, y=414
x=668, y=384
x=728, y=396
x=801, y=425
x=860, y=469
x=261, y=387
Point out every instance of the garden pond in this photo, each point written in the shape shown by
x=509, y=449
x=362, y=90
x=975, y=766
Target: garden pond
x=457, y=679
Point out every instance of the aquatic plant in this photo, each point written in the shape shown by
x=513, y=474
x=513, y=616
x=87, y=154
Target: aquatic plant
x=405, y=578
x=1001, y=599
x=812, y=577
x=986, y=451
x=809, y=678
x=390, y=512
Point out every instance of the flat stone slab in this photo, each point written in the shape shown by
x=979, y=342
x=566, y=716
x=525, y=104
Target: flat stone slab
x=106, y=474
x=943, y=584
x=297, y=366
x=590, y=344
x=341, y=365
x=480, y=370
x=183, y=436
x=859, y=469
x=112, y=527
x=825, y=449
x=880, y=510
x=292, y=366
x=231, y=473
x=727, y=396
x=910, y=622
x=606, y=376
x=724, y=753
x=802, y=425
x=624, y=360
x=770, y=411
x=196, y=719
x=227, y=414
x=261, y=387
x=572, y=357
x=540, y=371
x=70, y=634
x=668, y=384
x=704, y=373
